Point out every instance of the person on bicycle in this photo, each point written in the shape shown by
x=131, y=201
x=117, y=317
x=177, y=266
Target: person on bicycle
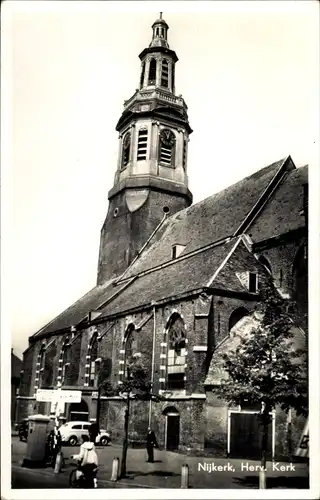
x=87, y=460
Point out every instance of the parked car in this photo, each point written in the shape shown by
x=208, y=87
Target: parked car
x=23, y=427
x=71, y=433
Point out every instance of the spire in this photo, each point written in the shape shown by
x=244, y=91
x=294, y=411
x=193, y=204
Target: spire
x=160, y=33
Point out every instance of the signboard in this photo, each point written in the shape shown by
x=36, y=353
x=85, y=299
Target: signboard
x=303, y=446
x=44, y=395
x=58, y=395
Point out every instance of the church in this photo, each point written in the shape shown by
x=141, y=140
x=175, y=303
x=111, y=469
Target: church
x=176, y=282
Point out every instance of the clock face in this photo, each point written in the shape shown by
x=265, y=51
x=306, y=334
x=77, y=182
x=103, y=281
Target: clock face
x=167, y=137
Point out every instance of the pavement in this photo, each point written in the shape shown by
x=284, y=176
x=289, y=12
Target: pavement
x=165, y=472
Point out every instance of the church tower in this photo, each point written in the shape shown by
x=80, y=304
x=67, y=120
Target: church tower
x=151, y=177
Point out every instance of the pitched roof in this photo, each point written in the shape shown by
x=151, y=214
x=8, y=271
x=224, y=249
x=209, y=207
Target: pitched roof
x=80, y=309
x=283, y=213
x=214, y=219
x=210, y=220
x=186, y=275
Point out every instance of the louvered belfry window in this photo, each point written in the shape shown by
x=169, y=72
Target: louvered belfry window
x=142, y=144
x=185, y=145
x=167, y=143
x=152, y=72
x=164, y=74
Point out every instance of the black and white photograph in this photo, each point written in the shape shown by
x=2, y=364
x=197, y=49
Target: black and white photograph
x=160, y=249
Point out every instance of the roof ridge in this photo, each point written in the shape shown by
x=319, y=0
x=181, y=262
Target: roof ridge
x=243, y=227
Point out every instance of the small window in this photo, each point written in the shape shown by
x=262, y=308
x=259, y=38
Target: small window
x=86, y=427
x=152, y=72
x=142, y=144
x=76, y=426
x=177, y=250
x=253, y=282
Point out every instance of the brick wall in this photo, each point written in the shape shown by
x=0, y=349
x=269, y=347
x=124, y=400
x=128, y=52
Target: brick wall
x=124, y=235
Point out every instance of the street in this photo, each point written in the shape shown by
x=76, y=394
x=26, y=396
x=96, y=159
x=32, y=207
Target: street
x=204, y=472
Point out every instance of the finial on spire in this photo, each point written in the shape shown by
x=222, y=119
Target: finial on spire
x=160, y=15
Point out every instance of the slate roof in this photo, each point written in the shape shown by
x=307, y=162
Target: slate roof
x=80, y=309
x=212, y=219
x=192, y=273
x=283, y=213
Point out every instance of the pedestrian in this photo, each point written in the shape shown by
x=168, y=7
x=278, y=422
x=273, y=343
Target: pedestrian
x=94, y=431
x=151, y=443
x=57, y=442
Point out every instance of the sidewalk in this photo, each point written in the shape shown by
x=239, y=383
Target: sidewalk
x=213, y=473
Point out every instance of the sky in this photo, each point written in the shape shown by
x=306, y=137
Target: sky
x=248, y=71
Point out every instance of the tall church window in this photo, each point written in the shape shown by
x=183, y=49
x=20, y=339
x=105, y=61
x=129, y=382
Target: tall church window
x=167, y=143
x=164, y=74
x=66, y=360
x=93, y=361
x=142, y=74
x=126, y=149
x=152, y=72
x=142, y=144
x=176, y=354
x=40, y=367
x=130, y=348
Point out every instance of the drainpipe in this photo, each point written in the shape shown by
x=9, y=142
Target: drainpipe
x=153, y=358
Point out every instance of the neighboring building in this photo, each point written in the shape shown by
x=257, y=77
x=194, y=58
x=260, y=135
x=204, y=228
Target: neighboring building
x=16, y=366
x=174, y=279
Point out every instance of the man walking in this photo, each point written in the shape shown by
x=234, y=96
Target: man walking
x=94, y=431
x=151, y=443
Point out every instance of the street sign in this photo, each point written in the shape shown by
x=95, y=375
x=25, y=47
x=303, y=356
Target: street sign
x=58, y=395
x=44, y=395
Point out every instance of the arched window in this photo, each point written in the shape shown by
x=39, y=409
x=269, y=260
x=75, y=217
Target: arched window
x=164, y=74
x=142, y=74
x=167, y=147
x=176, y=353
x=64, y=362
x=93, y=361
x=40, y=367
x=91, y=371
x=236, y=316
x=142, y=144
x=152, y=72
x=130, y=348
x=126, y=149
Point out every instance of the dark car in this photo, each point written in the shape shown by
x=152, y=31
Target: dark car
x=23, y=427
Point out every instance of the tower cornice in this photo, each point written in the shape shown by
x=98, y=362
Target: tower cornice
x=151, y=182
x=163, y=50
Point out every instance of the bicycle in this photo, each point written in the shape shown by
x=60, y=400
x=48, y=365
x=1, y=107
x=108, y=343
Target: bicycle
x=77, y=479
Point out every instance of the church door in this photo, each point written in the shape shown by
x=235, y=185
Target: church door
x=246, y=436
x=173, y=431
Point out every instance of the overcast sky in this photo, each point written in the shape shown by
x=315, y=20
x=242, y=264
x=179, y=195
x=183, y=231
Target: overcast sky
x=247, y=71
